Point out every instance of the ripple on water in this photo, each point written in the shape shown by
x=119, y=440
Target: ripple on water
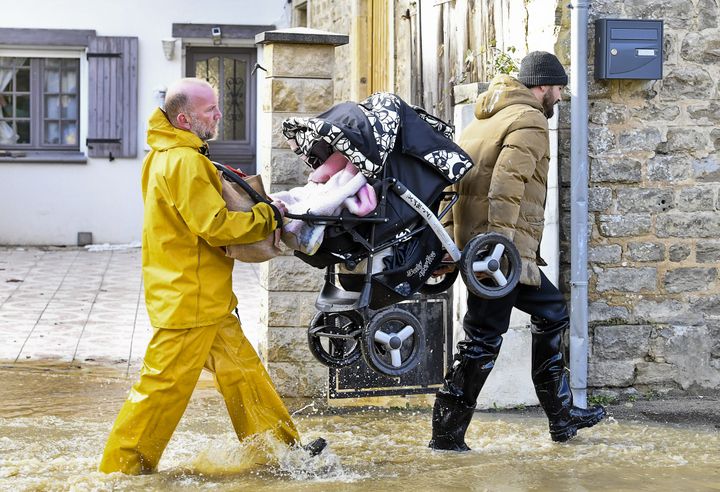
x=52, y=449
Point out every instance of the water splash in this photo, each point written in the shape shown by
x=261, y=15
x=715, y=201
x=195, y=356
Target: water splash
x=57, y=446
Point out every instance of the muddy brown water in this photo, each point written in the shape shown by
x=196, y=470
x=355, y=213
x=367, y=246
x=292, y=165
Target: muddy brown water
x=54, y=422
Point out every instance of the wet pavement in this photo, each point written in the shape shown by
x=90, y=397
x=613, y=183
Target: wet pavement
x=86, y=305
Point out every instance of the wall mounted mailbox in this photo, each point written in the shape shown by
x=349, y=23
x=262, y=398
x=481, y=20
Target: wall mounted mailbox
x=628, y=49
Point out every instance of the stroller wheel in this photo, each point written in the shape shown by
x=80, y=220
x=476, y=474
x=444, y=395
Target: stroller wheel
x=334, y=338
x=438, y=285
x=490, y=265
x=392, y=342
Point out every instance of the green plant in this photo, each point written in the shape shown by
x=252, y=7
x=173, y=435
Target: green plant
x=503, y=61
x=651, y=394
x=601, y=399
x=498, y=62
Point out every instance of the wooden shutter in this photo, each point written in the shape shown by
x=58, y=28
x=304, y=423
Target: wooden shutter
x=112, y=90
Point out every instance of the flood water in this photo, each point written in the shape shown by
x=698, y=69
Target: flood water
x=54, y=422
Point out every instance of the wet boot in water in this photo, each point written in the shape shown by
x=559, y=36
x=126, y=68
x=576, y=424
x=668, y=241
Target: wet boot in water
x=564, y=418
x=450, y=420
x=315, y=447
x=552, y=387
x=455, y=402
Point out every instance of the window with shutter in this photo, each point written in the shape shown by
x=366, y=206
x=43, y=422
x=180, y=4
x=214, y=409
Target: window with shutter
x=112, y=93
x=39, y=104
x=40, y=110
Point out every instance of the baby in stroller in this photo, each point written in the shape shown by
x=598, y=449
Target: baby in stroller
x=370, y=216
x=335, y=185
x=387, y=250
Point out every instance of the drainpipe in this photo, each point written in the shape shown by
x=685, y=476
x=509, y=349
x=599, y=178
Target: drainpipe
x=579, y=202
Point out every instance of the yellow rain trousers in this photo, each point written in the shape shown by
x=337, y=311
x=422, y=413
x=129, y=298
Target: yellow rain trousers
x=173, y=362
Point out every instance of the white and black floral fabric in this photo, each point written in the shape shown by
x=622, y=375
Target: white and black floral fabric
x=383, y=113
x=303, y=134
x=445, y=128
x=367, y=134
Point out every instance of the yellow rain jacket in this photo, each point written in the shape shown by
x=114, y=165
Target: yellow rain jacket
x=188, y=278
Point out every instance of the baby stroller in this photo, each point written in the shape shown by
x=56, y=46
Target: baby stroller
x=375, y=261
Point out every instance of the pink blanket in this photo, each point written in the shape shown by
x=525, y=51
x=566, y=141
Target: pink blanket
x=332, y=187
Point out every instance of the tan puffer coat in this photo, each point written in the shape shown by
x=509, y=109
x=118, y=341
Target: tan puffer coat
x=505, y=191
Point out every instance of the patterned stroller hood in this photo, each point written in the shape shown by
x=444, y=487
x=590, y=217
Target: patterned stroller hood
x=367, y=132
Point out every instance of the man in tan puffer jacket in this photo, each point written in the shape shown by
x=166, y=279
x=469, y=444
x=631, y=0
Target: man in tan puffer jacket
x=505, y=193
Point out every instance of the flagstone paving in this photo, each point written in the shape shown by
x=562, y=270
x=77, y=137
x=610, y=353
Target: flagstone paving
x=87, y=305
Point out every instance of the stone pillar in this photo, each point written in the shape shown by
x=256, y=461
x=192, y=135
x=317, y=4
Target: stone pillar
x=298, y=82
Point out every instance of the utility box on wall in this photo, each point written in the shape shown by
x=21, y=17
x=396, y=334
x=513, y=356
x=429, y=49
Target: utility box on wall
x=628, y=49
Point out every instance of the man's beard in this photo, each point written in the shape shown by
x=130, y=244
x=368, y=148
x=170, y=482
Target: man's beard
x=548, y=105
x=204, y=132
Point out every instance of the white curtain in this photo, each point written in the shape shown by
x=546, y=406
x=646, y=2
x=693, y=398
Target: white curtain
x=7, y=68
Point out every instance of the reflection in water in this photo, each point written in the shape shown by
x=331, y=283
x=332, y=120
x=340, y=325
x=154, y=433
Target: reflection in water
x=53, y=426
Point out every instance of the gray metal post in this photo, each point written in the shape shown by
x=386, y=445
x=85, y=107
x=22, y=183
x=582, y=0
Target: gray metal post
x=579, y=205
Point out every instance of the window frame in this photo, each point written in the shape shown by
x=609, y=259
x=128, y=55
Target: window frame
x=49, y=153
x=38, y=115
x=240, y=153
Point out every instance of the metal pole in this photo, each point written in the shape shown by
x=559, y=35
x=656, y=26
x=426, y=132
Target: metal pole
x=579, y=205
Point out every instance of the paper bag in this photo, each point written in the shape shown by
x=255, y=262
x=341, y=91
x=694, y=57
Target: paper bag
x=239, y=201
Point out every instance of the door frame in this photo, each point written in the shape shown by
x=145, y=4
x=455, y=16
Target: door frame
x=241, y=154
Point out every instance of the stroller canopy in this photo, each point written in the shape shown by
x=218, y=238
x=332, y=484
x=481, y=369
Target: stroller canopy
x=366, y=133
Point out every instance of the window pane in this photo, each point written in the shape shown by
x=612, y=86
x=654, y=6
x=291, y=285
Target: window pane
x=234, y=100
x=6, y=105
x=22, y=128
x=52, y=107
x=209, y=70
x=70, y=76
x=52, y=75
x=69, y=133
x=23, y=80
x=52, y=132
x=22, y=109
x=68, y=107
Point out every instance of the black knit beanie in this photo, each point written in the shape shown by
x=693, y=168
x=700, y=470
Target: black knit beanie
x=541, y=68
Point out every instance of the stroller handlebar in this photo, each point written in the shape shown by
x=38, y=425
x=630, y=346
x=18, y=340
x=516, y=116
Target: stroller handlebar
x=336, y=219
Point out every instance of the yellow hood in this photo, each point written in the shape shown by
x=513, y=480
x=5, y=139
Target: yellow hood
x=162, y=135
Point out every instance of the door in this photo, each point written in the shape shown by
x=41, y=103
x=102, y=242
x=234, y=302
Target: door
x=229, y=71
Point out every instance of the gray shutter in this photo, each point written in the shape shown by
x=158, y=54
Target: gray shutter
x=112, y=90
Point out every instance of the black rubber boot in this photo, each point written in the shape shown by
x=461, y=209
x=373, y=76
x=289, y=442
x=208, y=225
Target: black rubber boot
x=552, y=385
x=564, y=418
x=316, y=447
x=455, y=402
x=450, y=420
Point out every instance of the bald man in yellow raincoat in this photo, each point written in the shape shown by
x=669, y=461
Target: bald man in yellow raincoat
x=188, y=290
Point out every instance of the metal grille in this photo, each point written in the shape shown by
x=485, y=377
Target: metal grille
x=358, y=380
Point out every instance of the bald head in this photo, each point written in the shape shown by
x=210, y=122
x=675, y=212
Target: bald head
x=191, y=104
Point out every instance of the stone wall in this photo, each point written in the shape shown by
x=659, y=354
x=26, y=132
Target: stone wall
x=351, y=17
x=336, y=16
x=654, y=248
x=299, y=82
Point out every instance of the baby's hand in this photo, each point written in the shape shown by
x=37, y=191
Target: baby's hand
x=278, y=234
x=280, y=205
